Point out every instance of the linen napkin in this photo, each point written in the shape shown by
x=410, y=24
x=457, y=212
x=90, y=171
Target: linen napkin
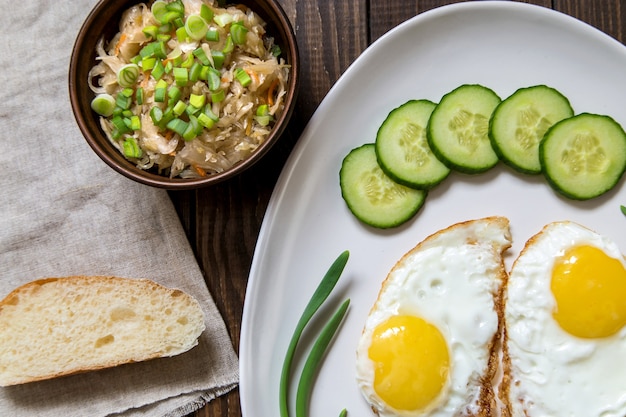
x=64, y=212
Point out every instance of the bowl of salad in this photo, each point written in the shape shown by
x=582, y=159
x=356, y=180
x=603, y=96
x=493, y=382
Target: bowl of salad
x=181, y=94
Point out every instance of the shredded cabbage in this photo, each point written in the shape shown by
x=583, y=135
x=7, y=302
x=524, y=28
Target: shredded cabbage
x=209, y=148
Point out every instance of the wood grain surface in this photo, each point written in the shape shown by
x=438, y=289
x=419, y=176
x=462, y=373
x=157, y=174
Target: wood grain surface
x=223, y=222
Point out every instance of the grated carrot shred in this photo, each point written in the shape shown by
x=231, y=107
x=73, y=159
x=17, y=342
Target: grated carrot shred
x=199, y=170
x=119, y=43
x=270, y=92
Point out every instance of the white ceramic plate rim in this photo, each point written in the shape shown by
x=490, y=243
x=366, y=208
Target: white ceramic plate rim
x=503, y=45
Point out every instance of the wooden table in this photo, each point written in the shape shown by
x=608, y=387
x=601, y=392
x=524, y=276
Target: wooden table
x=223, y=222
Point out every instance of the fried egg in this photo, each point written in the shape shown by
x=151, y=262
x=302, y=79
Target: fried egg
x=565, y=319
x=428, y=343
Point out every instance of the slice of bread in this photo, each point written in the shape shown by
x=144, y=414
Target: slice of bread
x=454, y=280
x=61, y=326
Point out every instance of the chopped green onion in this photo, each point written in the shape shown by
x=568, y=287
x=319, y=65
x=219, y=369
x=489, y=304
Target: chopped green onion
x=151, y=31
x=135, y=122
x=158, y=9
x=127, y=75
x=192, y=110
x=139, y=96
x=160, y=90
x=148, y=63
x=194, y=71
x=181, y=76
x=197, y=100
x=243, y=77
x=165, y=28
x=188, y=62
x=156, y=114
x=322, y=292
x=170, y=16
x=206, y=12
x=174, y=93
x=212, y=35
x=206, y=121
x=176, y=6
x=178, y=125
x=180, y=107
x=181, y=35
x=229, y=45
x=218, y=59
x=119, y=125
x=315, y=358
x=276, y=50
x=179, y=22
x=214, y=79
x=196, y=27
x=136, y=59
x=131, y=148
x=164, y=37
x=192, y=130
x=223, y=19
x=127, y=92
x=123, y=102
x=218, y=95
x=103, y=104
x=238, y=32
x=169, y=66
x=201, y=55
x=263, y=116
x=158, y=70
x=127, y=113
x=168, y=115
x=204, y=72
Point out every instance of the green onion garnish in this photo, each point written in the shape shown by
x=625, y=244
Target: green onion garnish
x=127, y=75
x=181, y=76
x=148, y=63
x=160, y=91
x=139, y=96
x=322, y=292
x=192, y=130
x=158, y=9
x=135, y=122
x=243, y=77
x=151, y=31
x=314, y=359
x=196, y=27
x=122, y=101
x=218, y=59
x=229, y=45
x=181, y=34
x=214, y=79
x=206, y=12
x=156, y=114
x=197, y=100
x=206, y=121
x=238, y=33
x=158, y=70
x=174, y=93
x=103, y=104
x=201, y=55
x=212, y=35
x=180, y=107
x=131, y=148
x=223, y=19
x=188, y=62
x=263, y=116
x=194, y=72
x=178, y=125
x=218, y=95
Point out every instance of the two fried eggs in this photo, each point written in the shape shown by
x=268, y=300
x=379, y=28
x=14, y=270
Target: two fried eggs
x=451, y=334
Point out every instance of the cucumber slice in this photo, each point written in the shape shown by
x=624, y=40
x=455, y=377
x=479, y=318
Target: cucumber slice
x=520, y=121
x=584, y=156
x=373, y=197
x=402, y=148
x=458, y=130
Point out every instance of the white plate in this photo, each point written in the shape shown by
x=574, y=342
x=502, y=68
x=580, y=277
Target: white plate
x=502, y=45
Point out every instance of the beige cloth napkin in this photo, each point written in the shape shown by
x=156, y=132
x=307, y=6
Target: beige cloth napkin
x=64, y=212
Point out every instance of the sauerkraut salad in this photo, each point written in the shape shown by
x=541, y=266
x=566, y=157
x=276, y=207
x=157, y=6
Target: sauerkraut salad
x=188, y=88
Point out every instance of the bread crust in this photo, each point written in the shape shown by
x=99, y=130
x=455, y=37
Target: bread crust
x=134, y=296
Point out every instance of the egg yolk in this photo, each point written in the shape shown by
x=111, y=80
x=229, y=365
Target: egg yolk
x=411, y=362
x=590, y=292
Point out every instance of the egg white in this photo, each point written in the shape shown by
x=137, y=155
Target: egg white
x=560, y=374
x=450, y=283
